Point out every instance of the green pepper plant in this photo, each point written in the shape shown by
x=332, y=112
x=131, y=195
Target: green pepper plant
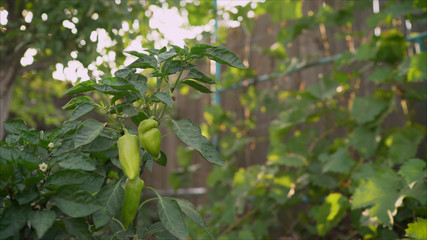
x=68, y=183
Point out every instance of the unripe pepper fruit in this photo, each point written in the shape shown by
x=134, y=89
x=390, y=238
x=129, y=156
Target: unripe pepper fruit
x=150, y=137
x=129, y=154
x=133, y=190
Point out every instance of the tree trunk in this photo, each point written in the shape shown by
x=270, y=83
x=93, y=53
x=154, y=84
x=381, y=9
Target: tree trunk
x=9, y=69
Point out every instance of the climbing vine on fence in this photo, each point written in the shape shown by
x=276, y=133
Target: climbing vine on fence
x=334, y=168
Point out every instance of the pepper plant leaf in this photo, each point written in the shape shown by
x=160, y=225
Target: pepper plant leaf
x=89, y=130
x=191, y=135
x=172, y=218
x=111, y=198
x=223, y=55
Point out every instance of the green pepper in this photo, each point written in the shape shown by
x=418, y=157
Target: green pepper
x=129, y=155
x=133, y=190
x=150, y=137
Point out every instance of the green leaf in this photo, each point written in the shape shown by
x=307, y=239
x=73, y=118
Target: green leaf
x=365, y=171
x=20, y=128
x=109, y=90
x=101, y=143
x=199, y=50
x=413, y=170
x=278, y=155
x=67, y=128
x=403, y=144
x=78, y=228
x=380, y=194
x=75, y=160
x=41, y=221
x=225, y=56
x=417, y=230
x=137, y=54
x=117, y=83
x=82, y=87
x=381, y=74
x=144, y=62
x=179, y=50
x=28, y=159
x=73, y=103
x=367, y=109
x=339, y=162
x=166, y=55
x=81, y=110
x=330, y=213
x=124, y=73
x=15, y=126
x=139, y=82
x=418, y=70
x=365, y=52
x=417, y=190
x=164, y=98
x=190, y=210
x=75, y=202
x=197, y=86
x=155, y=228
x=12, y=220
x=364, y=140
x=172, y=218
x=286, y=10
x=89, y=130
x=111, y=198
x=191, y=135
x=87, y=181
x=325, y=89
x=174, y=66
x=195, y=74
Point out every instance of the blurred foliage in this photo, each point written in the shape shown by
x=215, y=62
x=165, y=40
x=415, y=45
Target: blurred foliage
x=335, y=168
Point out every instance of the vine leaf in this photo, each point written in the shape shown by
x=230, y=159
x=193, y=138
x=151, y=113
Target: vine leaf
x=330, y=213
x=385, y=192
x=191, y=135
x=417, y=230
x=171, y=216
x=413, y=170
x=339, y=162
x=367, y=109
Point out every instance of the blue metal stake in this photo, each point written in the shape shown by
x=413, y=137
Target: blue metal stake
x=216, y=97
